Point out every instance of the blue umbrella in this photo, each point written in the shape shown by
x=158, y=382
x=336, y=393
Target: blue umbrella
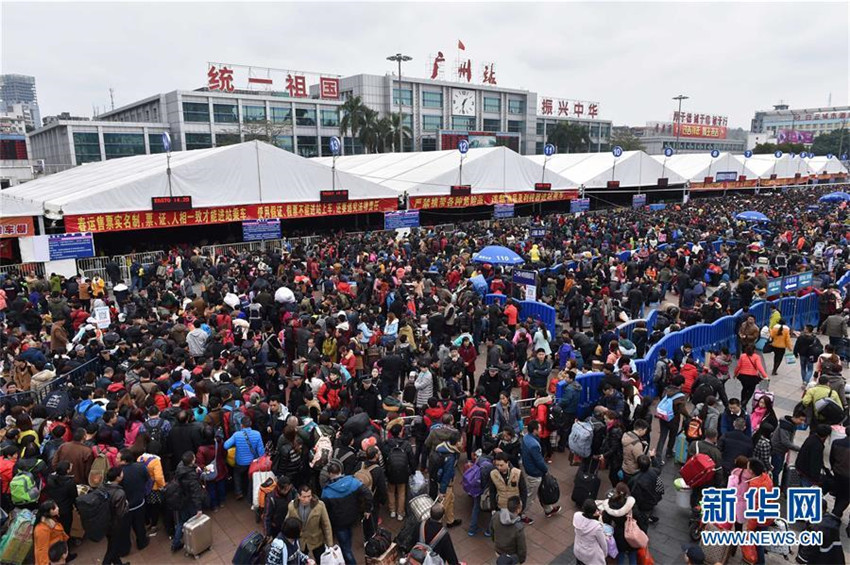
x=497, y=255
x=834, y=197
x=752, y=216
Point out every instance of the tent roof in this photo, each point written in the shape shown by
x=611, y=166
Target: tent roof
x=762, y=166
x=486, y=169
x=697, y=166
x=820, y=165
x=593, y=170
x=246, y=173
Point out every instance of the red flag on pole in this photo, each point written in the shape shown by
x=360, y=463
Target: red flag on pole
x=460, y=45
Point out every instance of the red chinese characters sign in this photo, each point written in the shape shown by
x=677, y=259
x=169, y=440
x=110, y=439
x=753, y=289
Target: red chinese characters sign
x=329, y=88
x=695, y=130
x=220, y=78
x=567, y=108
x=16, y=226
x=223, y=77
x=122, y=221
x=700, y=119
x=428, y=202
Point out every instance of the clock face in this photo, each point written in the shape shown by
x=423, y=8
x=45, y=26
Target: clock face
x=463, y=102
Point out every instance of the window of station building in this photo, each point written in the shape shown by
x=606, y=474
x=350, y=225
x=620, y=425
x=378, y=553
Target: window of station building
x=281, y=115
x=198, y=141
x=432, y=123
x=541, y=127
x=463, y=123
x=123, y=144
x=254, y=113
x=492, y=125
x=432, y=99
x=330, y=118
x=222, y=139
x=429, y=143
x=308, y=146
x=403, y=94
x=305, y=117
x=516, y=106
x=515, y=126
x=86, y=147
x=492, y=104
x=594, y=130
x=225, y=113
x=196, y=112
x=538, y=148
x=284, y=142
x=353, y=146
x=155, y=143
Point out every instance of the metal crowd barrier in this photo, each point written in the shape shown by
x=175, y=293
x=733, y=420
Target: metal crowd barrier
x=23, y=269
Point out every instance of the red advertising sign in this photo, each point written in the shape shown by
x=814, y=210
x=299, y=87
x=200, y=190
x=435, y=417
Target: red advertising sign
x=695, y=130
x=16, y=226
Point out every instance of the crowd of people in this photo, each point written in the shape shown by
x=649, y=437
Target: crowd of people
x=327, y=385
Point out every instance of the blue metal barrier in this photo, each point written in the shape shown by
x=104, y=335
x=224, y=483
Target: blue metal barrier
x=589, y=392
x=539, y=311
x=491, y=298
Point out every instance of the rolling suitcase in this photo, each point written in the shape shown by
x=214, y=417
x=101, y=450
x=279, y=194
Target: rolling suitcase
x=586, y=485
x=197, y=535
x=249, y=550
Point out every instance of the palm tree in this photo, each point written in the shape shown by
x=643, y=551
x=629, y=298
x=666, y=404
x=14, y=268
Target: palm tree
x=569, y=138
x=398, y=127
x=352, y=116
x=384, y=135
x=368, y=129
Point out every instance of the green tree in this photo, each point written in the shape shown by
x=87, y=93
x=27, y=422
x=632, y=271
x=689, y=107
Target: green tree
x=398, y=128
x=627, y=140
x=835, y=142
x=384, y=135
x=369, y=131
x=569, y=138
x=353, y=116
x=770, y=148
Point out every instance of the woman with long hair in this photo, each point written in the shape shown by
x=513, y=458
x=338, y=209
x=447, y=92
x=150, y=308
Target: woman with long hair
x=615, y=511
x=48, y=530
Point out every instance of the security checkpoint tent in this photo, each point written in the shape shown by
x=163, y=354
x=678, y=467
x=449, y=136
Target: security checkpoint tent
x=432, y=173
x=822, y=165
x=697, y=166
x=762, y=166
x=246, y=173
x=594, y=170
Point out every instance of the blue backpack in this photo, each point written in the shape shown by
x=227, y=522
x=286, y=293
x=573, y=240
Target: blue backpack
x=664, y=410
x=472, y=476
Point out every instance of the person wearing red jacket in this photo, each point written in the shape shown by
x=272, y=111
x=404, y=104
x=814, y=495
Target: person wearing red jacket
x=329, y=393
x=750, y=371
x=476, y=411
x=469, y=354
x=540, y=413
x=690, y=373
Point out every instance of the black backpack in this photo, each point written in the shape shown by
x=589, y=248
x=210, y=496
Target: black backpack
x=95, y=513
x=557, y=418
x=156, y=433
x=379, y=543
x=397, y=465
x=173, y=495
x=703, y=391
x=80, y=420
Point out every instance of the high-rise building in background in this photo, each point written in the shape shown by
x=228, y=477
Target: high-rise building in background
x=20, y=89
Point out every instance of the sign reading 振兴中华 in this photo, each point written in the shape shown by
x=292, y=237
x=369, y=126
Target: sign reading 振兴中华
x=258, y=230
x=402, y=219
x=70, y=246
x=563, y=107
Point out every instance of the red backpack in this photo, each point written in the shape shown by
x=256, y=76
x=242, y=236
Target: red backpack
x=699, y=470
x=478, y=418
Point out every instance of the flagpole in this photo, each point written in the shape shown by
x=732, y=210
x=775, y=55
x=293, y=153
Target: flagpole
x=166, y=141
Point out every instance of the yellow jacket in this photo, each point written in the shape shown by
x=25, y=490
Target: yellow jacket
x=780, y=337
x=820, y=391
x=154, y=466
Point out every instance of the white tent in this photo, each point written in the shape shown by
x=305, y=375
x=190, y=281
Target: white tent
x=247, y=173
x=486, y=170
x=762, y=166
x=594, y=170
x=697, y=166
x=822, y=165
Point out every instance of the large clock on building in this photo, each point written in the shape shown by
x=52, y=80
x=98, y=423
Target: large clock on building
x=463, y=102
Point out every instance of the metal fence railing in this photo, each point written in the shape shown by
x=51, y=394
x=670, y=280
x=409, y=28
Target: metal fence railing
x=23, y=269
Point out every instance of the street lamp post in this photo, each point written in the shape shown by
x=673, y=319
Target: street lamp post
x=399, y=58
x=679, y=120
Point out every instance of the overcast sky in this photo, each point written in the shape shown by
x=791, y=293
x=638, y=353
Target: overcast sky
x=730, y=58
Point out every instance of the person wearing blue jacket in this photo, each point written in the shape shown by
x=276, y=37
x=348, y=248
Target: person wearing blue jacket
x=535, y=467
x=345, y=498
x=570, y=397
x=88, y=407
x=249, y=446
x=507, y=413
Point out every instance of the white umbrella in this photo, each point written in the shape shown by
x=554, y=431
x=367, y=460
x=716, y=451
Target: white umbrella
x=231, y=300
x=284, y=295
